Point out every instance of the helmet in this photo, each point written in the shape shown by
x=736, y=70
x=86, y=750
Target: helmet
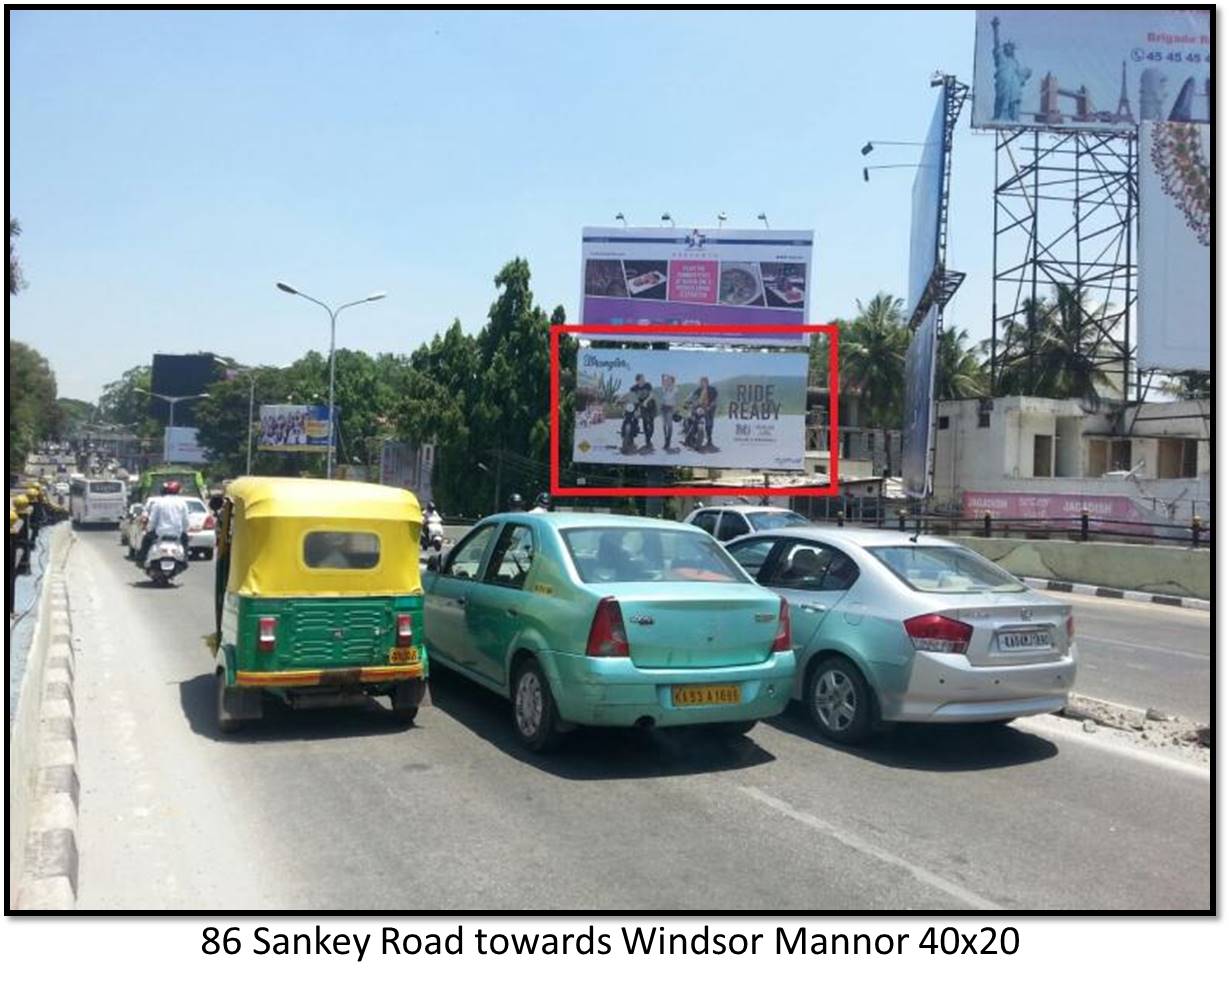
x=33, y=493
x=21, y=503
x=12, y=518
x=516, y=503
x=430, y=506
x=543, y=500
x=170, y=488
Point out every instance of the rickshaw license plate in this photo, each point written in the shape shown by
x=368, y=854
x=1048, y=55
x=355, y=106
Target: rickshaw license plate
x=403, y=654
x=685, y=695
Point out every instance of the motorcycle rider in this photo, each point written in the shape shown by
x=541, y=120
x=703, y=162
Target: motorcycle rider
x=541, y=504
x=167, y=516
x=646, y=407
x=433, y=525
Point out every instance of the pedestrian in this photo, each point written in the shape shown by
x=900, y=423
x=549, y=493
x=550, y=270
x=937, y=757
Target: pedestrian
x=669, y=399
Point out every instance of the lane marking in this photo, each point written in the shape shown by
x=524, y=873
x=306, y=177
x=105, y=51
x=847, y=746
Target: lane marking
x=1050, y=725
x=1079, y=637
x=919, y=873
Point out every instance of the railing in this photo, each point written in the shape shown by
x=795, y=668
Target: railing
x=1082, y=528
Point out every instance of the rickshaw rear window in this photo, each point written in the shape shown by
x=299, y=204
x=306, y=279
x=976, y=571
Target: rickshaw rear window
x=341, y=551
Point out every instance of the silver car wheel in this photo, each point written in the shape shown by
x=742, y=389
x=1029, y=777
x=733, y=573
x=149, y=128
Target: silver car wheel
x=529, y=704
x=836, y=700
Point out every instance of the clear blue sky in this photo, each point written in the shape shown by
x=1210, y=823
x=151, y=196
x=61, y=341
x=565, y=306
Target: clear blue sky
x=169, y=167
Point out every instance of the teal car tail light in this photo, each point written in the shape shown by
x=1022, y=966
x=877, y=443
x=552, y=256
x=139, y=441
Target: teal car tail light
x=607, y=636
x=782, y=642
x=938, y=633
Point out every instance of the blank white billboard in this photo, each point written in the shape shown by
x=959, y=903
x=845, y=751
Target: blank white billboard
x=1091, y=69
x=927, y=193
x=1175, y=234
x=919, y=404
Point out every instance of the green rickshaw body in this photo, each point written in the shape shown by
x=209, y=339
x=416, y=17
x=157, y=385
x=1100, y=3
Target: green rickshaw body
x=318, y=596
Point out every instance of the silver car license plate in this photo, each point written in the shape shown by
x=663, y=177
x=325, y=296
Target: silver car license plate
x=167, y=565
x=1025, y=639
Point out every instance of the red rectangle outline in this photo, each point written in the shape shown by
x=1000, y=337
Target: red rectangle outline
x=595, y=330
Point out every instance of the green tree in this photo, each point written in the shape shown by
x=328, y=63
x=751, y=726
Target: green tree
x=75, y=413
x=958, y=369
x=121, y=404
x=17, y=280
x=33, y=415
x=1052, y=351
x=872, y=361
x=1190, y=385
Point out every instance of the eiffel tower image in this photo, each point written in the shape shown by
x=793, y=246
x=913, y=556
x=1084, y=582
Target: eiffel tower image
x=1124, y=102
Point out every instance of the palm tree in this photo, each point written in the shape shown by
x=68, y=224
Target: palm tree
x=873, y=361
x=958, y=371
x=1054, y=351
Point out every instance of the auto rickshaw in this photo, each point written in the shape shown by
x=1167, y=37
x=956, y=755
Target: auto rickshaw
x=317, y=596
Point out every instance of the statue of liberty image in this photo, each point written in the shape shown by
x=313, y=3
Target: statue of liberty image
x=1009, y=78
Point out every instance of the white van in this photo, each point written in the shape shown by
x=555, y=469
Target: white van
x=97, y=501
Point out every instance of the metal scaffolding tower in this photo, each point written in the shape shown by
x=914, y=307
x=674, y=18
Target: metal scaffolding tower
x=1065, y=214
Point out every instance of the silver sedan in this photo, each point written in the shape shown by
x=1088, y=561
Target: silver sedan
x=888, y=628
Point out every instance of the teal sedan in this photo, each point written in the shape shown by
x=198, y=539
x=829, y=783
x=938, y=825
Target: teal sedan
x=587, y=619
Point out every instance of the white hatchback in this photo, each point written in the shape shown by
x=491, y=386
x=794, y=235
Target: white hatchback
x=728, y=522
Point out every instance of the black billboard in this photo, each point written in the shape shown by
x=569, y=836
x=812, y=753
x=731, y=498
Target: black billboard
x=180, y=375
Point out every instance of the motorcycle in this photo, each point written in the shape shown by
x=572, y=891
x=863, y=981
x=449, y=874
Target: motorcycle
x=630, y=428
x=431, y=538
x=165, y=561
x=693, y=428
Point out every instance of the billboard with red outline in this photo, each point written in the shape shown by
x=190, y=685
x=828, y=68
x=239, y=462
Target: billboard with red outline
x=830, y=331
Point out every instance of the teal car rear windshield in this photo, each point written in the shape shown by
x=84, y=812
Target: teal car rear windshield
x=946, y=570
x=609, y=555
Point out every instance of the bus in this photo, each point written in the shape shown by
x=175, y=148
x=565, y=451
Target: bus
x=97, y=501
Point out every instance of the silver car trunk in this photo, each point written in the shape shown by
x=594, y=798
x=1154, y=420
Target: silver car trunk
x=1011, y=629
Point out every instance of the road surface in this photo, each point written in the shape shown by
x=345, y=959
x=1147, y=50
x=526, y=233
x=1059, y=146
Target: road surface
x=348, y=809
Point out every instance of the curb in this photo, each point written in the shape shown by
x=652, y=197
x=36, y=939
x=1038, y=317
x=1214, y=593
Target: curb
x=1199, y=604
x=48, y=880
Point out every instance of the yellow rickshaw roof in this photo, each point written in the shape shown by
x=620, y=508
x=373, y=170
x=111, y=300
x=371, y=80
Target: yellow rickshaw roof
x=316, y=497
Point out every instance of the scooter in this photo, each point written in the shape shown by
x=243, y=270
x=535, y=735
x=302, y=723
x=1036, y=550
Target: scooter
x=166, y=560
x=630, y=428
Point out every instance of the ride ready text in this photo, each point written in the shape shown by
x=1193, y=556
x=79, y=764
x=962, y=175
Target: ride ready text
x=631, y=940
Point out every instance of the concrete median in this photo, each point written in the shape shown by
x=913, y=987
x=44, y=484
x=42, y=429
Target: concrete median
x=1172, y=571
x=44, y=789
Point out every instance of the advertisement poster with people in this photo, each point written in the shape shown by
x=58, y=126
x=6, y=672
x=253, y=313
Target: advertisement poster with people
x=675, y=276
x=691, y=408
x=294, y=428
x=1091, y=69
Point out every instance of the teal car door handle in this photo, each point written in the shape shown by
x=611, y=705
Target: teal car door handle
x=814, y=608
x=462, y=601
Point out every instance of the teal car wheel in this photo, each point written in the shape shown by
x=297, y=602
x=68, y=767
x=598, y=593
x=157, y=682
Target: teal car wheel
x=533, y=709
x=839, y=701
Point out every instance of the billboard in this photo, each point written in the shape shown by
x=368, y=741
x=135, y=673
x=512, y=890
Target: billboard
x=408, y=465
x=919, y=404
x=691, y=408
x=180, y=374
x=927, y=195
x=1091, y=69
x=180, y=446
x=1175, y=236
x=289, y=428
x=687, y=278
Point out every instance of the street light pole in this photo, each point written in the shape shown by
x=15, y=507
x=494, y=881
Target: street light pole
x=170, y=400
x=332, y=352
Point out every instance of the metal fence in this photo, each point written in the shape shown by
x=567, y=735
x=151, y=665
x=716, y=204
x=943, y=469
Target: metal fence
x=1082, y=528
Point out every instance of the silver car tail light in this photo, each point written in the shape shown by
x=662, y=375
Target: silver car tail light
x=939, y=633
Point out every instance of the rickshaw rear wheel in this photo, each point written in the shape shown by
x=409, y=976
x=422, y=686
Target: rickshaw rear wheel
x=405, y=698
x=235, y=706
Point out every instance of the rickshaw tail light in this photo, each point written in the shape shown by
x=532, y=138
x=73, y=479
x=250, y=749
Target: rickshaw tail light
x=405, y=631
x=266, y=640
